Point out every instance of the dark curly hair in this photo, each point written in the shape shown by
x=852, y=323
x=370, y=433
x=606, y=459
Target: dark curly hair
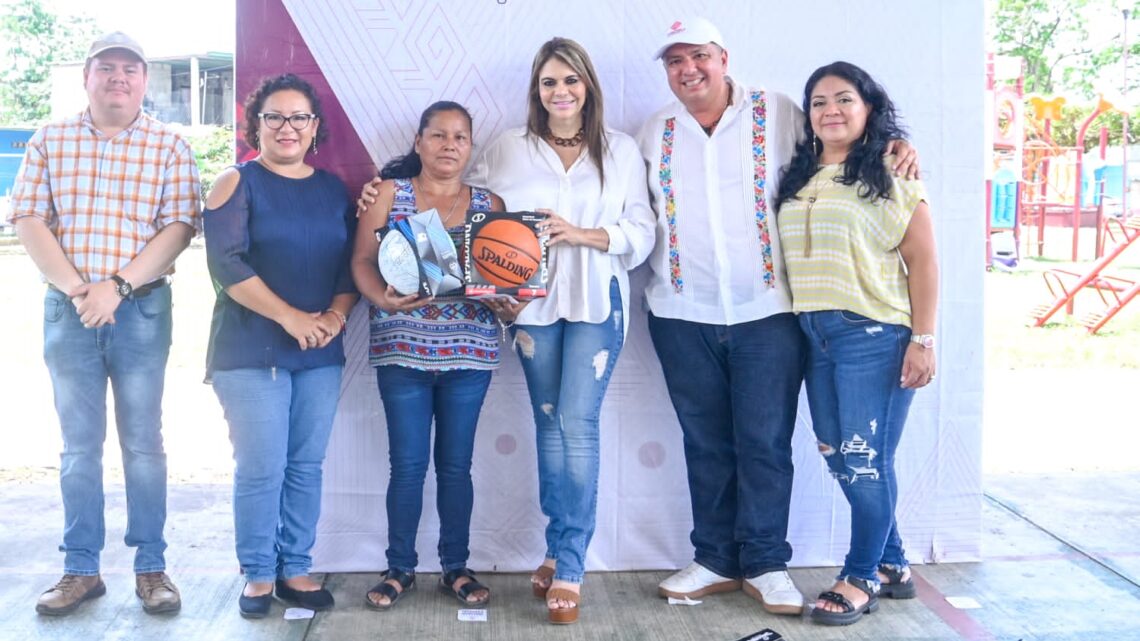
x=409, y=165
x=269, y=86
x=864, y=163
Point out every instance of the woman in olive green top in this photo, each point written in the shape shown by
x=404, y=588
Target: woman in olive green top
x=859, y=250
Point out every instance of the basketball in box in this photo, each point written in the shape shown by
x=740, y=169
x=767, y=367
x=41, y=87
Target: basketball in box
x=503, y=255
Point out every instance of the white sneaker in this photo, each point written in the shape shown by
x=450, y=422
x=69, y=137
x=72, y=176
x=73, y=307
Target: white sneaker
x=694, y=582
x=776, y=592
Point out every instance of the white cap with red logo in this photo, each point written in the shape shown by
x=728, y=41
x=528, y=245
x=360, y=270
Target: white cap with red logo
x=690, y=31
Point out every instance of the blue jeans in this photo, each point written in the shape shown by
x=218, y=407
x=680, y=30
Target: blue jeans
x=858, y=411
x=411, y=397
x=131, y=353
x=567, y=367
x=735, y=389
x=280, y=422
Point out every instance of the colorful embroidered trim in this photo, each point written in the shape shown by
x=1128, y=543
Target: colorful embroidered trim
x=760, y=176
x=666, y=176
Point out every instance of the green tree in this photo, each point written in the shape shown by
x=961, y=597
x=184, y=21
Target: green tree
x=1066, y=128
x=214, y=149
x=1055, y=39
x=33, y=39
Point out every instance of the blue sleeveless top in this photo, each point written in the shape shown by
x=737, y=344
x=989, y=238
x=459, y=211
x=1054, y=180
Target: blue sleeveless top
x=439, y=336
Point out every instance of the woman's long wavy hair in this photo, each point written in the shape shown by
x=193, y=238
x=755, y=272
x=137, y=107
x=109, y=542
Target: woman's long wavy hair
x=410, y=165
x=593, y=120
x=864, y=163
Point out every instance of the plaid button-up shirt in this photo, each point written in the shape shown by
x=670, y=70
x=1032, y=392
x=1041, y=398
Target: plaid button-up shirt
x=106, y=198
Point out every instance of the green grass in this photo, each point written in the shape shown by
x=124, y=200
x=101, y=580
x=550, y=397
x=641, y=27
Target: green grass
x=1013, y=343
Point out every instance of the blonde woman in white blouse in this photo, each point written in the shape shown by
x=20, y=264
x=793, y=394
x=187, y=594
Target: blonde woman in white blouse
x=590, y=181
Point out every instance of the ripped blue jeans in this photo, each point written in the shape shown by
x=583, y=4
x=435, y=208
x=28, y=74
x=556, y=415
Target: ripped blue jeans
x=567, y=367
x=858, y=411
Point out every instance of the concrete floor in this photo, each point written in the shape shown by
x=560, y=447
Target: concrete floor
x=1060, y=563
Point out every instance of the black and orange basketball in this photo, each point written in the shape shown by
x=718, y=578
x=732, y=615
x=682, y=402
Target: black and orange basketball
x=505, y=252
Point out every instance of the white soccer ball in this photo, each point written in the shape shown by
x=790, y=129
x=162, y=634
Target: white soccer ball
x=398, y=264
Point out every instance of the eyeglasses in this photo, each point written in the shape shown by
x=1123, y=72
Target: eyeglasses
x=276, y=121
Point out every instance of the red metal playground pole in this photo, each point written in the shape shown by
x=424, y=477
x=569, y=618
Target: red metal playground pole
x=1101, y=107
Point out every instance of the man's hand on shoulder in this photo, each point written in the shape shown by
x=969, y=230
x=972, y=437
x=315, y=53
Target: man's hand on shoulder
x=96, y=303
x=906, y=158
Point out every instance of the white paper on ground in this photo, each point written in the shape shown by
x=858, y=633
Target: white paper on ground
x=684, y=601
x=472, y=615
x=292, y=614
x=964, y=602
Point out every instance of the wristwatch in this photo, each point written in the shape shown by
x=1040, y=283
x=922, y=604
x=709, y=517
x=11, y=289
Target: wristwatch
x=124, y=289
x=926, y=340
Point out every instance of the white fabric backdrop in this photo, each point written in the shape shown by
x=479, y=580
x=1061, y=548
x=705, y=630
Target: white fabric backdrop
x=387, y=60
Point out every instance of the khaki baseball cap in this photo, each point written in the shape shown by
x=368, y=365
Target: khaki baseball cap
x=115, y=40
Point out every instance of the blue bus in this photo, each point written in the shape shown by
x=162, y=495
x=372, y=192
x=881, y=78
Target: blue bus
x=12, y=145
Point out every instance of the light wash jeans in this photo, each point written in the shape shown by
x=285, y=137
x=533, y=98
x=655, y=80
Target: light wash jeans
x=131, y=354
x=280, y=424
x=858, y=411
x=567, y=367
x=411, y=397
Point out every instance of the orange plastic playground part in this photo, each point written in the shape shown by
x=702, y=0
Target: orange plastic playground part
x=1114, y=292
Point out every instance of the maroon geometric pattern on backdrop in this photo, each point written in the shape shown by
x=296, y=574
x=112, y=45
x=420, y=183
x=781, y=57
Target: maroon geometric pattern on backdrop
x=268, y=44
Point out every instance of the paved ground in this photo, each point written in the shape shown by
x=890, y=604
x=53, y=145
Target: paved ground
x=1057, y=565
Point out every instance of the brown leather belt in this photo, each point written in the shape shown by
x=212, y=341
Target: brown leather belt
x=141, y=291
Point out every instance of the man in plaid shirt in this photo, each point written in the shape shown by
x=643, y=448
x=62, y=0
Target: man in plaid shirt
x=104, y=203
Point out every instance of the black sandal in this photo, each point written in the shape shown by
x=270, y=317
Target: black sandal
x=447, y=583
x=850, y=613
x=895, y=587
x=407, y=581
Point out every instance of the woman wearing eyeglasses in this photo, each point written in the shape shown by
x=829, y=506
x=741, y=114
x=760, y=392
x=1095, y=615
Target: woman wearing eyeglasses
x=278, y=242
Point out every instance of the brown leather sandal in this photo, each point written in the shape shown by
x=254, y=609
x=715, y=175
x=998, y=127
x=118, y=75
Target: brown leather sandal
x=545, y=576
x=562, y=616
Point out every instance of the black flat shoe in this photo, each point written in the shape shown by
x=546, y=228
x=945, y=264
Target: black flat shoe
x=315, y=600
x=255, y=607
x=895, y=587
x=849, y=613
x=447, y=584
x=407, y=581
